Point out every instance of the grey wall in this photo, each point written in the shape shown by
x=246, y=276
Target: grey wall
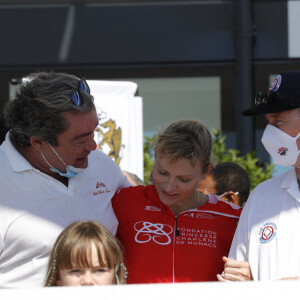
x=90, y=35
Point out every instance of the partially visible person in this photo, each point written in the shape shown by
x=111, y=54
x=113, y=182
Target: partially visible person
x=133, y=178
x=229, y=181
x=266, y=245
x=3, y=129
x=86, y=253
x=170, y=231
x=50, y=175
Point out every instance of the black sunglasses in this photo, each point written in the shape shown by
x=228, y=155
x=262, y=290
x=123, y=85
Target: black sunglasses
x=263, y=98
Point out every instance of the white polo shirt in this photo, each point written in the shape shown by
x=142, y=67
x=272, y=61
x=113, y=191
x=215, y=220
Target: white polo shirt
x=268, y=233
x=35, y=208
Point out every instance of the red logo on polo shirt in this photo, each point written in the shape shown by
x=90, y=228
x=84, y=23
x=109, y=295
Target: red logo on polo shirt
x=101, y=188
x=267, y=232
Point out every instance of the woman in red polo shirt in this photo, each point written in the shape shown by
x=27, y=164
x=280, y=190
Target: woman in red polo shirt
x=170, y=231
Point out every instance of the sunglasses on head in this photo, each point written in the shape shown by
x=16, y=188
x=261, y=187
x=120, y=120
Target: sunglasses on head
x=76, y=96
x=263, y=98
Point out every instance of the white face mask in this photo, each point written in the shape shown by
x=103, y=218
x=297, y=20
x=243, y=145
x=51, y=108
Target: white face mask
x=281, y=146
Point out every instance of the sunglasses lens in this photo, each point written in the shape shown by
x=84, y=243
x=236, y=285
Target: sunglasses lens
x=76, y=98
x=83, y=86
x=262, y=98
x=258, y=99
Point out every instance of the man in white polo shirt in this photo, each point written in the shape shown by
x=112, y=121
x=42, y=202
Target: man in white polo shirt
x=50, y=175
x=266, y=245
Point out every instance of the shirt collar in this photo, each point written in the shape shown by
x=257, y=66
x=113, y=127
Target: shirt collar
x=290, y=179
x=290, y=184
x=16, y=160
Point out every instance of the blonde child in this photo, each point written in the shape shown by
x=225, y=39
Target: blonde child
x=86, y=253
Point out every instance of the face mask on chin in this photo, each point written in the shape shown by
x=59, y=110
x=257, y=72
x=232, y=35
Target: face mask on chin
x=70, y=170
x=282, y=147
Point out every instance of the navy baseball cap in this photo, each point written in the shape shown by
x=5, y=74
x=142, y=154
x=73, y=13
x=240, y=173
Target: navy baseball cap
x=283, y=94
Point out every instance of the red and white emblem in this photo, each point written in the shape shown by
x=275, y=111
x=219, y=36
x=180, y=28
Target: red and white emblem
x=267, y=232
x=276, y=84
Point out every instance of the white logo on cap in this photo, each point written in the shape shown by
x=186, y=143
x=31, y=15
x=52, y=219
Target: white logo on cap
x=276, y=84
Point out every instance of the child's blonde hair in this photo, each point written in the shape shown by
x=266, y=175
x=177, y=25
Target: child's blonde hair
x=73, y=248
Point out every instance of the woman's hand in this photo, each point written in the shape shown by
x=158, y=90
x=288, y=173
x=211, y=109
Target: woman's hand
x=290, y=278
x=235, y=270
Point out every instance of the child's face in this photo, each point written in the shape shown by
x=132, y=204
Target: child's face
x=97, y=275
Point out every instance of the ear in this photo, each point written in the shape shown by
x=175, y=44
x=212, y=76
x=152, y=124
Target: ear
x=230, y=196
x=207, y=171
x=58, y=281
x=298, y=143
x=37, y=143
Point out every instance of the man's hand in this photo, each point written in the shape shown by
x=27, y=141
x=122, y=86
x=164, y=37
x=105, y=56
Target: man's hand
x=235, y=270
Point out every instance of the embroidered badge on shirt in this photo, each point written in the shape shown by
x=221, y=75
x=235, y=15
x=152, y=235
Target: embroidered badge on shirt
x=267, y=232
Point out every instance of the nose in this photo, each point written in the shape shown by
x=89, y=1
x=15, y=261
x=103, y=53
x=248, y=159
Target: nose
x=170, y=185
x=91, y=145
x=87, y=278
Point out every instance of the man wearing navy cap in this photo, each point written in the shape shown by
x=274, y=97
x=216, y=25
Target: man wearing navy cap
x=266, y=245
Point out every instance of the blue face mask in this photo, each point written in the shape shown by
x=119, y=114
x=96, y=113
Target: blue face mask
x=70, y=170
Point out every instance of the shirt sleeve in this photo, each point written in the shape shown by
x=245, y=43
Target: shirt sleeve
x=124, y=183
x=117, y=205
x=240, y=244
x=1, y=246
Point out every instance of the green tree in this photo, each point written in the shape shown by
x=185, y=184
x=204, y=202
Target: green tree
x=148, y=158
x=257, y=171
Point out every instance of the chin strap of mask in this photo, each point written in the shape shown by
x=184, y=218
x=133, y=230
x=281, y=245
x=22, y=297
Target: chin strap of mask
x=46, y=160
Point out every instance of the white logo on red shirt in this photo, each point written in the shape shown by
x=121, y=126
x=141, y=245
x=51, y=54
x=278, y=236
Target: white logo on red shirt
x=152, y=208
x=157, y=232
x=200, y=215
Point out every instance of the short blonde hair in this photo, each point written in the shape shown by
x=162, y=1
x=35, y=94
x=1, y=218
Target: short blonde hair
x=189, y=139
x=73, y=247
